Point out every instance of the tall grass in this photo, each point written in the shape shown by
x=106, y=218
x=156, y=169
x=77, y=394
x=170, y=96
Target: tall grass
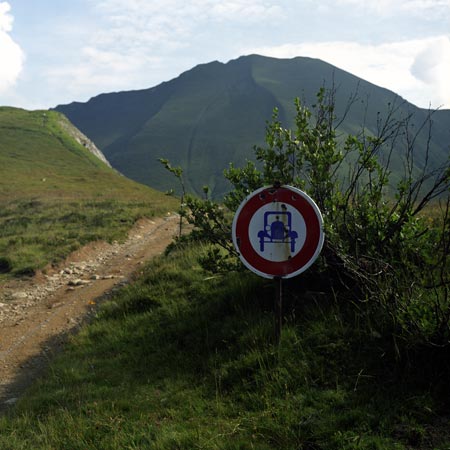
x=184, y=360
x=35, y=233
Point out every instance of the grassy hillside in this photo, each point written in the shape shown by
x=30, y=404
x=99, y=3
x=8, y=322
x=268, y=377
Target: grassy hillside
x=55, y=195
x=185, y=360
x=215, y=113
x=37, y=157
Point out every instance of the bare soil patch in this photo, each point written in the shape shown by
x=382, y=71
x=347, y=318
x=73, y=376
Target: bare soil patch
x=37, y=315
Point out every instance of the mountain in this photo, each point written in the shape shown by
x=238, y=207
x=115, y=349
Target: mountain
x=215, y=113
x=43, y=155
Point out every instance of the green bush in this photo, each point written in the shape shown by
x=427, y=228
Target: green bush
x=382, y=250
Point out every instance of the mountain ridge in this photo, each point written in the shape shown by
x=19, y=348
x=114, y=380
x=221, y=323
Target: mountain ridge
x=215, y=113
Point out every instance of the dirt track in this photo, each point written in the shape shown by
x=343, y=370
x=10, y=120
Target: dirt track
x=37, y=315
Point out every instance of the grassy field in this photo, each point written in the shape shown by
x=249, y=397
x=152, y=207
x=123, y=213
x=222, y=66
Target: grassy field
x=35, y=233
x=185, y=360
x=56, y=196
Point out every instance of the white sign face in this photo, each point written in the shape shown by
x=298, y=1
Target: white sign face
x=282, y=234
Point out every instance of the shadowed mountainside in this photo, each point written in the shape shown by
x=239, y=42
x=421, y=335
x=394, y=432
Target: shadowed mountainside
x=215, y=113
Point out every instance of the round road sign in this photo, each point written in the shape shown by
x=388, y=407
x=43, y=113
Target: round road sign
x=278, y=231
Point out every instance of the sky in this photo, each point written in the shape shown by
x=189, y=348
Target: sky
x=58, y=51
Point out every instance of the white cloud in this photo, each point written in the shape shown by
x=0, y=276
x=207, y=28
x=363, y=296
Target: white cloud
x=132, y=38
x=432, y=67
x=431, y=8
x=11, y=55
x=192, y=12
x=5, y=19
x=244, y=11
x=416, y=69
x=147, y=23
x=97, y=69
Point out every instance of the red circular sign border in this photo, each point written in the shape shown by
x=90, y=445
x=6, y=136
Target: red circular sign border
x=314, y=236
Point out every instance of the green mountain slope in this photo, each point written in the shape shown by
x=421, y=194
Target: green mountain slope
x=55, y=195
x=215, y=113
x=39, y=157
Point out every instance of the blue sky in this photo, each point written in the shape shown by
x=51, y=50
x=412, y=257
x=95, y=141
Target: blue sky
x=58, y=51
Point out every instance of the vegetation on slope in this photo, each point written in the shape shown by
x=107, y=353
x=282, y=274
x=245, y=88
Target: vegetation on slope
x=38, y=157
x=56, y=196
x=184, y=358
x=381, y=246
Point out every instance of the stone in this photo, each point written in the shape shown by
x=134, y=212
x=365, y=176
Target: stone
x=78, y=282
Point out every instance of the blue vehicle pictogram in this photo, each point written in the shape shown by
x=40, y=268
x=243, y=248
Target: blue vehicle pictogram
x=278, y=230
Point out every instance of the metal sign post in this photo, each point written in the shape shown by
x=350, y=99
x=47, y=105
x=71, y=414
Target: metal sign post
x=278, y=307
x=278, y=233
